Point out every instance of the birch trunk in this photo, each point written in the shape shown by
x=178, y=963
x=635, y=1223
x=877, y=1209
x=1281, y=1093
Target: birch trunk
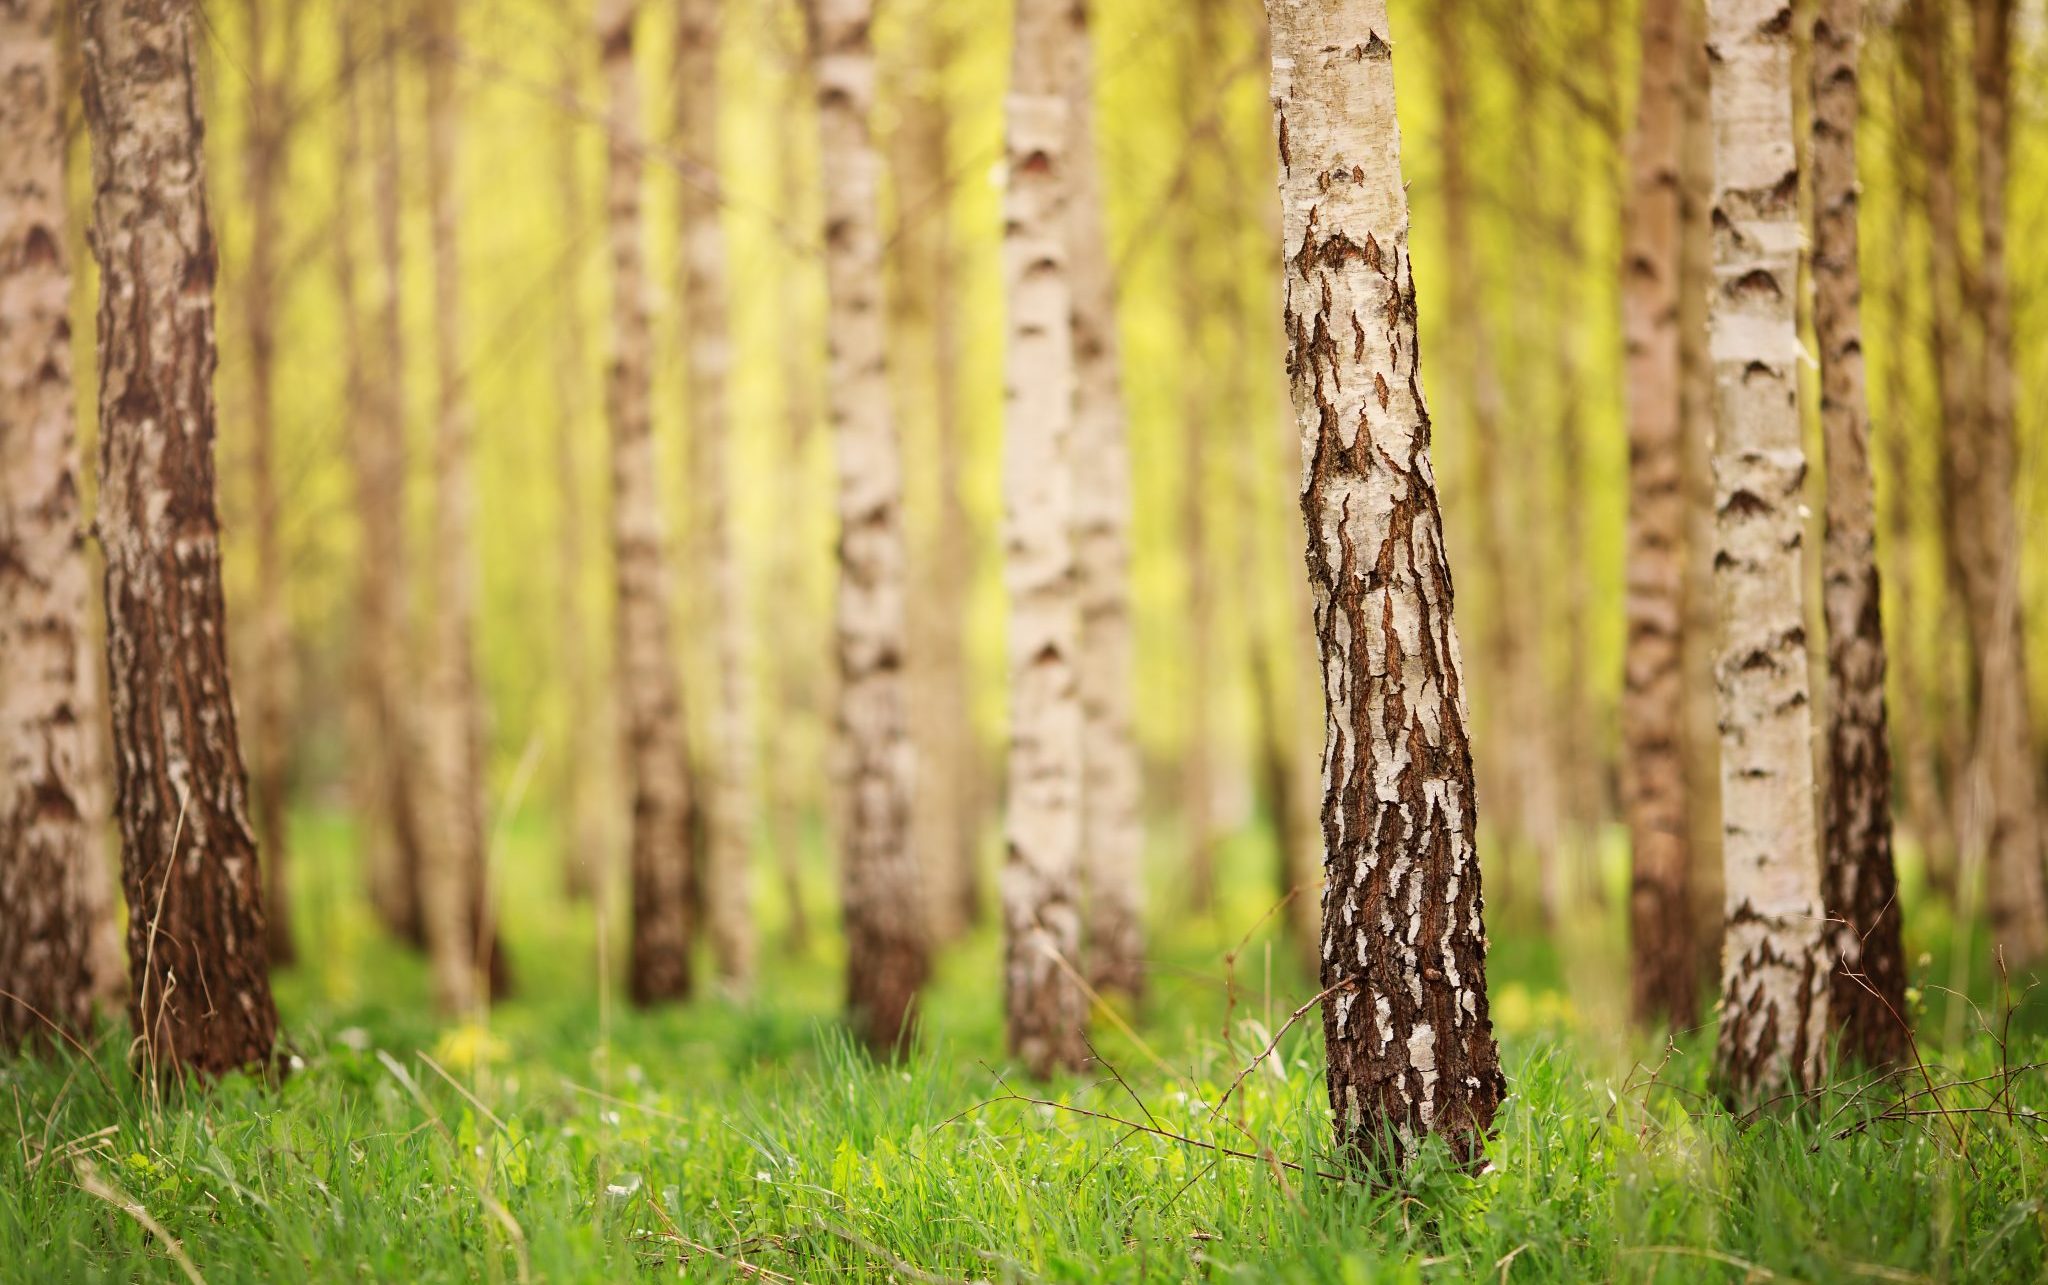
x=49, y=834
x=266, y=160
x=707, y=360
x=649, y=693
x=200, y=983
x=885, y=925
x=1775, y=961
x=2017, y=897
x=1867, y=996
x=1664, y=986
x=1041, y=917
x=384, y=594
x=1113, y=836
x=1411, y=1048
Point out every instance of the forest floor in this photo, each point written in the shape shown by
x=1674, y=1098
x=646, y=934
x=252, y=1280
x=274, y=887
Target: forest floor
x=571, y=1139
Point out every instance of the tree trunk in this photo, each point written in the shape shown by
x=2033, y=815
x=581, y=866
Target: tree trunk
x=1867, y=997
x=649, y=693
x=266, y=137
x=1776, y=958
x=200, y=978
x=885, y=925
x=1411, y=1048
x=1113, y=835
x=1664, y=986
x=2016, y=896
x=707, y=359
x=585, y=835
x=49, y=835
x=1041, y=917
x=385, y=598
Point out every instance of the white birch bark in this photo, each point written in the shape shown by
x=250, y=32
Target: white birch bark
x=1774, y=957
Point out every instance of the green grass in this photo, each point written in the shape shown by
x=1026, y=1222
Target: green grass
x=576, y=1140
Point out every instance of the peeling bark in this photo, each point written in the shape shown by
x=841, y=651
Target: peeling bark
x=887, y=950
x=200, y=984
x=1775, y=960
x=1113, y=835
x=1041, y=916
x=1411, y=1048
x=1867, y=996
x=49, y=832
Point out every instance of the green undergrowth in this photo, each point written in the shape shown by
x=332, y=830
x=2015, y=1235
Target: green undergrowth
x=568, y=1138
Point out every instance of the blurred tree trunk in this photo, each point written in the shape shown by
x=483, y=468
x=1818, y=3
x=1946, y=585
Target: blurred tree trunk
x=1867, y=998
x=1664, y=985
x=1776, y=961
x=462, y=937
x=649, y=693
x=266, y=161
x=1113, y=834
x=1411, y=1048
x=1987, y=466
x=1041, y=915
x=1506, y=742
x=585, y=834
x=707, y=362
x=887, y=939
x=385, y=602
x=51, y=864
x=200, y=977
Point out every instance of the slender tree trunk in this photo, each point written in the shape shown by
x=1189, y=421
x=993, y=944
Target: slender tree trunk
x=649, y=693
x=1776, y=960
x=887, y=959
x=2017, y=897
x=385, y=599
x=1664, y=986
x=1041, y=916
x=49, y=836
x=707, y=359
x=1113, y=835
x=200, y=976
x=1867, y=998
x=585, y=837
x=266, y=160
x=1411, y=1048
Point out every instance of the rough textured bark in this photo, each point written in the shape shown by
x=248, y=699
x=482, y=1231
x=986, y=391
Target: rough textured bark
x=2015, y=893
x=49, y=844
x=1664, y=986
x=265, y=162
x=1775, y=961
x=729, y=908
x=649, y=693
x=384, y=598
x=1411, y=1048
x=586, y=835
x=1041, y=916
x=886, y=933
x=200, y=984
x=1113, y=835
x=461, y=941
x=1867, y=997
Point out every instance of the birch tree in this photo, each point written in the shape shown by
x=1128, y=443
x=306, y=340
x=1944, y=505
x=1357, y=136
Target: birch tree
x=1775, y=960
x=1867, y=997
x=197, y=947
x=649, y=694
x=1113, y=835
x=49, y=844
x=1410, y=1043
x=886, y=931
x=1041, y=915
x=729, y=905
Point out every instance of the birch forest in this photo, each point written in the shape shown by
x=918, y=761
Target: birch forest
x=1023, y=640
